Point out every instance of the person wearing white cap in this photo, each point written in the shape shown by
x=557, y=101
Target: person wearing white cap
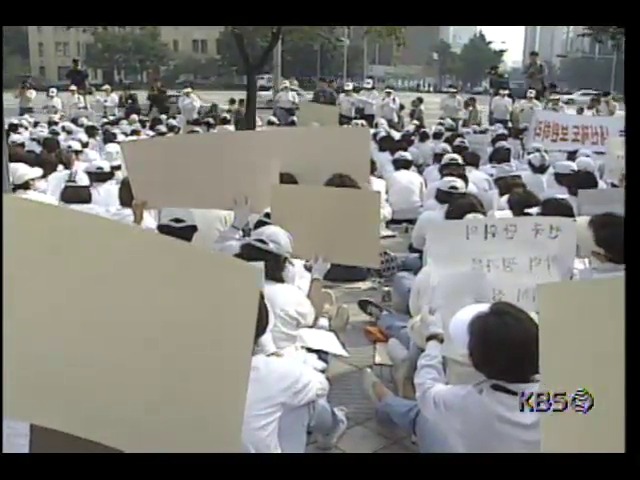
x=53, y=103
x=432, y=173
x=109, y=101
x=502, y=344
x=75, y=101
x=501, y=108
x=285, y=103
x=389, y=107
x=381, y=154
x=588, y=173
x=422, y=150
x=178, y=223
x=369, y=99
x=406, y=189
x=380, y=185
x=601, y=241
x=554, y=104
x=452, y=105
x=526, y=108
x=607, y=107
x=189, y=105
x=23, y=181
x=485, y=188
x=285, y=401
x=561, y=179
x=112, y=153
x=77, y=153
x=535, y=178
x=25, y=95
x=76, y=194
x=104, y=191
x=347, y=103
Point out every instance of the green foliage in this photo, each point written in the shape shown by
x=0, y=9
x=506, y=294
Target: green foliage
x=448, y=61
x=476, y=56
x=605, y=34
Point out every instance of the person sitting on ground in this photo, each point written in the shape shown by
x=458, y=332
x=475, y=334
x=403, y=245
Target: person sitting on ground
x=131, y=211
x=502, y=344
x=520, y=202
x=431, y=174
x=601, y=240
x=556, y=207
x=406, y=190
x=23, y=183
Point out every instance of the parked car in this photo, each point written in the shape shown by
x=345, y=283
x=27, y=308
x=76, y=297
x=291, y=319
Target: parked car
x=265, y=96
x=579, y=98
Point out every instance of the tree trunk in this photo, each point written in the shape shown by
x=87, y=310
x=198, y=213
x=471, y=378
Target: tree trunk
x=251, y=104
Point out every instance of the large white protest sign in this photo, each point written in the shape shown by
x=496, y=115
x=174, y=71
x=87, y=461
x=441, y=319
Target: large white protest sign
x=615, y=160
x=514, y=254
x=567, y=132
x=601, y=200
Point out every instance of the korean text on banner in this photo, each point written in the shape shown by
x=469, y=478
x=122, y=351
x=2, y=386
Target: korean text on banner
x=514, y=254
x=340, y=224
x=202, y=171
x=315, y=154
x=137, y=379
x=584, y=358
x=567, y=132
x=615, y=160
x=601, y=200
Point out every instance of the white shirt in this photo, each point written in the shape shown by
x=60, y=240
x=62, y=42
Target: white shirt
x=53, y=105
x=473, y=418
x=501, y=107
x=189, y=106
x=347, y=105
x=526, y=109
x=286, y=99
x=384, y=163
x=452, y=107
x=431, y=174
x=290, y=310
x=76, y=102
x=211, y=223
x=380, y=186
x=389, y=107
x=105, y=194
x=486, y=189
x=36, y=196
x=110, y=104
x=406, y=190
x=369, y=100
x=419, y=232
x=276, y=385
x=125, y=215
x=535, y=182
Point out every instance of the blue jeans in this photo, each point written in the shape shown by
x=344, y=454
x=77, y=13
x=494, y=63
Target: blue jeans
x=394, y=325
x=409, y=262
x=405, y=415
x=401, y=290
x=317, y=417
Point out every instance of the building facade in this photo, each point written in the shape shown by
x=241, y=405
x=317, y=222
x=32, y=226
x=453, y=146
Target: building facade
x=548, y=41
x=457, y=36
x=51, y=48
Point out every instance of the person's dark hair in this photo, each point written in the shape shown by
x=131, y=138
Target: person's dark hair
x=154, y=122
x=500, y=137
x=437, y=135
x=232, y=101
x=452, y=137
x=262, y=319
x=50, y=144
x=521, y=200
x=263, y=221
x=568, y=181
x=608, y=234
x=100, y=177
x=75, y=195
x=125, y=193
x=423, y=136
x=341, y=180
x=48, y=163
x=23, y=186
x=462, y=205
x=92, y=131
x=471, y=158
x=402, y=164
x=500, y=155
x=287, y=178
x=274, y=265
x=184, y=233
x=460, y=149
x=556, y=207
x=503, y=344
x=386, y=143
x=508, y=185
x=446, y=198
x=108, y=137
x=534, y=53
x=572, y=155
x=539, y=169
x=452, y=170
x=585, y=180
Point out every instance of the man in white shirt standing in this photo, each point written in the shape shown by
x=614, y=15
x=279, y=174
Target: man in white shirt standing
x=369, y=99
x=452, y=106
x=189, y=105
x=526, y=108
x=53, y=104
x=109, y=102
x=347, y=103
x=389, y=107
x=501, y=107
x=286, y=103
x=75, y=102
x=607, y=107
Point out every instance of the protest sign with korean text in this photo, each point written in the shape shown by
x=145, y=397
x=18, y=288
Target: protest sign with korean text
x=514, y=254
x=567, y=132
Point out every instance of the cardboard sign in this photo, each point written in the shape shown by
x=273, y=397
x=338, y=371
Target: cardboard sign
x=615, y=160
x=601, y=200
x=202, y=171
x=340, y=224
x=323, y=115
x=123, y=336
x=314, y=154
x=566, y=132
x=514, y=254
x=581, y=353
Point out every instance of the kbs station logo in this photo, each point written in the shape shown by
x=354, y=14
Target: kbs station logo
x=581, y=401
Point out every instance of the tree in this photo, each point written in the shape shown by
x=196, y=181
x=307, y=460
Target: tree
x=447, y=60
x=588, y=72
x=256, y=44
x=605, y=34
x=476, y=57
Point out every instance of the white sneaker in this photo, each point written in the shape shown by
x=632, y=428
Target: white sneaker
x=396, y=351
x=327, y=442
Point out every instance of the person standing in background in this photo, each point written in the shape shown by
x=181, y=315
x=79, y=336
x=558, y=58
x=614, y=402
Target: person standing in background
x=607, y=107
x=158, y=99
x=25, y=95
x=536, y=73
x=238, y=115
x=109, y=102
x=369, y=99
x=79, y=78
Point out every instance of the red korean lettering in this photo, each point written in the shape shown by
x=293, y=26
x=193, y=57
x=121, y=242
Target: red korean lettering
x=546, y=131
x=585, y=134
x=555, y=132
x=537, y=131
x=595, y=135
x=575, y=134
x=564, y=133
x=604, y=135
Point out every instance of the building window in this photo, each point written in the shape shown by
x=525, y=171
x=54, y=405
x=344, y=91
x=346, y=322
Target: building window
x=62, y=73
x=204, y=46
x=176, y=45
x=62, y=49
x=195, y=46
x=79, y=49
x=40, y=49
x=42, y=71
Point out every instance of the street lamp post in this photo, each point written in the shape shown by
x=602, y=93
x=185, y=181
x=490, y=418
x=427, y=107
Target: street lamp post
x=277, y=67
x=345, y=55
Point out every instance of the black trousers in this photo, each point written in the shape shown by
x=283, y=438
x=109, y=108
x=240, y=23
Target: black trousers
x=344, y=120
x=369, y=119
x=25, y=111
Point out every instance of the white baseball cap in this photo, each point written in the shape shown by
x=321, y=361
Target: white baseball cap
x=538, y=159
x=565, y=167
x=22, y=173
x=585, y=164
x=402, y=155
x=452, y=159
x=274, y=239
x=459, y=324
x=74, y=146
x=348, y=87
x=452, y=185
x=504, y=170
x=368, y=83
x=98, y=166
